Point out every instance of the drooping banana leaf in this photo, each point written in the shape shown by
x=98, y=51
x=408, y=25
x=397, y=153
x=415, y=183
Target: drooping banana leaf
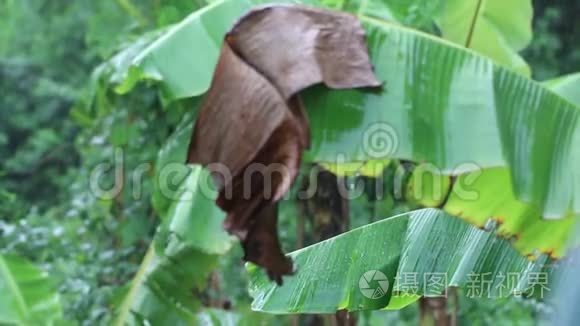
x=409, y=251
x=185, y=250
x=27, y=295
x=483, y=195
x=440, y=104
x=495, y=28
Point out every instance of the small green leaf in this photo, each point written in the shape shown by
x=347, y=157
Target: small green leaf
x=28, y=295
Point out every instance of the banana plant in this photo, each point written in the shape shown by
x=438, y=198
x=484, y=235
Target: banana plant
x=505, y=144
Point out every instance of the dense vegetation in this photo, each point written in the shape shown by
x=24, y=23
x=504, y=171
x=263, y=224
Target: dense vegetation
x=66, y=108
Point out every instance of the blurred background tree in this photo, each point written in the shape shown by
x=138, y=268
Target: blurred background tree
x=51, y=138
x=48, y=51
x=554, y=50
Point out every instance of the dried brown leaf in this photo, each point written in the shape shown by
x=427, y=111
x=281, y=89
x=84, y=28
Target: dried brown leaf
x=252, y=120
x=238, y=115
x=295, y=47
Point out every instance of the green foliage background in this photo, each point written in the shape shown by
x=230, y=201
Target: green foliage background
x=57, y=125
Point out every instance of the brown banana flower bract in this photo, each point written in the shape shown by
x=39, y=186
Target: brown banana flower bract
x=252, y=127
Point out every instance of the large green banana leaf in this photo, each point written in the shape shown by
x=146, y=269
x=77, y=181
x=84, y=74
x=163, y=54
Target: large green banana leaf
x=495, y=28
x=27, y=295
x=410, y=250
x=460, y=113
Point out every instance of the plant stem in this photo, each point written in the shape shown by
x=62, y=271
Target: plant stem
x=473, y=23
x=125, y=310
